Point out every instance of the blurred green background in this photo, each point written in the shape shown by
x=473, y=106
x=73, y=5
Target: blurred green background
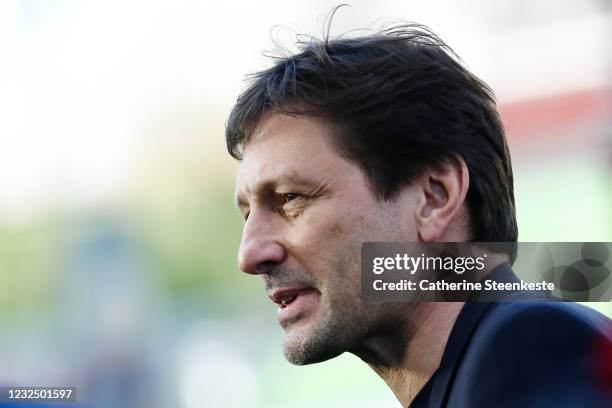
x=118, y=235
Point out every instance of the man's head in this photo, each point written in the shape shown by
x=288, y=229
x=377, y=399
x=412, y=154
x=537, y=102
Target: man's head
x=377, y=138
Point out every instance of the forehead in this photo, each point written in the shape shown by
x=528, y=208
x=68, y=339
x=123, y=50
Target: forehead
x=289, y=148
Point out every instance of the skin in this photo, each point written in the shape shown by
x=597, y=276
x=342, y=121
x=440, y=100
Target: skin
x=307, y=211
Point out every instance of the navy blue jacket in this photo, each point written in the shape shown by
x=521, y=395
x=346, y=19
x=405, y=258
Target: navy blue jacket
x=526, y=353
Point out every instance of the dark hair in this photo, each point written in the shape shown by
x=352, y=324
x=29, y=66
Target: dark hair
x=401, y=102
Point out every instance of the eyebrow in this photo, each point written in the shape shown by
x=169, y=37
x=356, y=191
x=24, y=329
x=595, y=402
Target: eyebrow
x=291, y=178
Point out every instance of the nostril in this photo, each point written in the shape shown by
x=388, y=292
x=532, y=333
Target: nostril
x=259, y=254
x=264, y=267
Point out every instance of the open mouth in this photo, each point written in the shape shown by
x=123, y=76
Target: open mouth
x=294, y=303
x=287, y=300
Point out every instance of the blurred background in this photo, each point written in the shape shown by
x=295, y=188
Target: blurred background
x=118, y=234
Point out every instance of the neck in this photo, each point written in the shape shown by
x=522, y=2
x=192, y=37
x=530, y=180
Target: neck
x=407, y=359
x=408, y=351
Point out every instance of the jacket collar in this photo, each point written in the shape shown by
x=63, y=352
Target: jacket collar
x=435, y=392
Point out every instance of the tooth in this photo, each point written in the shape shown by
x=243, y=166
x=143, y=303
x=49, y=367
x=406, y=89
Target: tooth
x=287, y=300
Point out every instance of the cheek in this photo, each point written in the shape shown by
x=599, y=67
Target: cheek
x=328, y=241
x=336, y=230
x=325, y=239
x=343, y=239
x=324, y=227
x=321, y=243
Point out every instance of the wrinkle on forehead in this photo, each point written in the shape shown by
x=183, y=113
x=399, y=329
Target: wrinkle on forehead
x=279, y=141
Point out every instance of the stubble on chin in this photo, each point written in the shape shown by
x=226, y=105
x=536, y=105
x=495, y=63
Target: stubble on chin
x=341, y=322
x=337, y=329
x=314, y=343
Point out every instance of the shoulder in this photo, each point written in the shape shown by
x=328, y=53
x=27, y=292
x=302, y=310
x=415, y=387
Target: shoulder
x=535, y=353
x=540, y=319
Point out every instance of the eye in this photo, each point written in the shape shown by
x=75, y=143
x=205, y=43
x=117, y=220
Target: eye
x=288, y=197
x=291, y=203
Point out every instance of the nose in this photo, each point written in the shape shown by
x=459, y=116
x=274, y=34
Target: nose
x=260, y=248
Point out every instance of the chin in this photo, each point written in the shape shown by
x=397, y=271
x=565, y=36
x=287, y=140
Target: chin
x=307, y=345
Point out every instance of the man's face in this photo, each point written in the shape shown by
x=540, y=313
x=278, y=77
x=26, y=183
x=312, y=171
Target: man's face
x=308, y=210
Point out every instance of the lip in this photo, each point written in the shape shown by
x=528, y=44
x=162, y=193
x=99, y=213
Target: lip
x=277, y=295
x=298, y=302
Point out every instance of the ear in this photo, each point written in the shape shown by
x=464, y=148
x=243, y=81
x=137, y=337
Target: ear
x=443, y=191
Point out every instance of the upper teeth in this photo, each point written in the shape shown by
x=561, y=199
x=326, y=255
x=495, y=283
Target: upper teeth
x=287, y=300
